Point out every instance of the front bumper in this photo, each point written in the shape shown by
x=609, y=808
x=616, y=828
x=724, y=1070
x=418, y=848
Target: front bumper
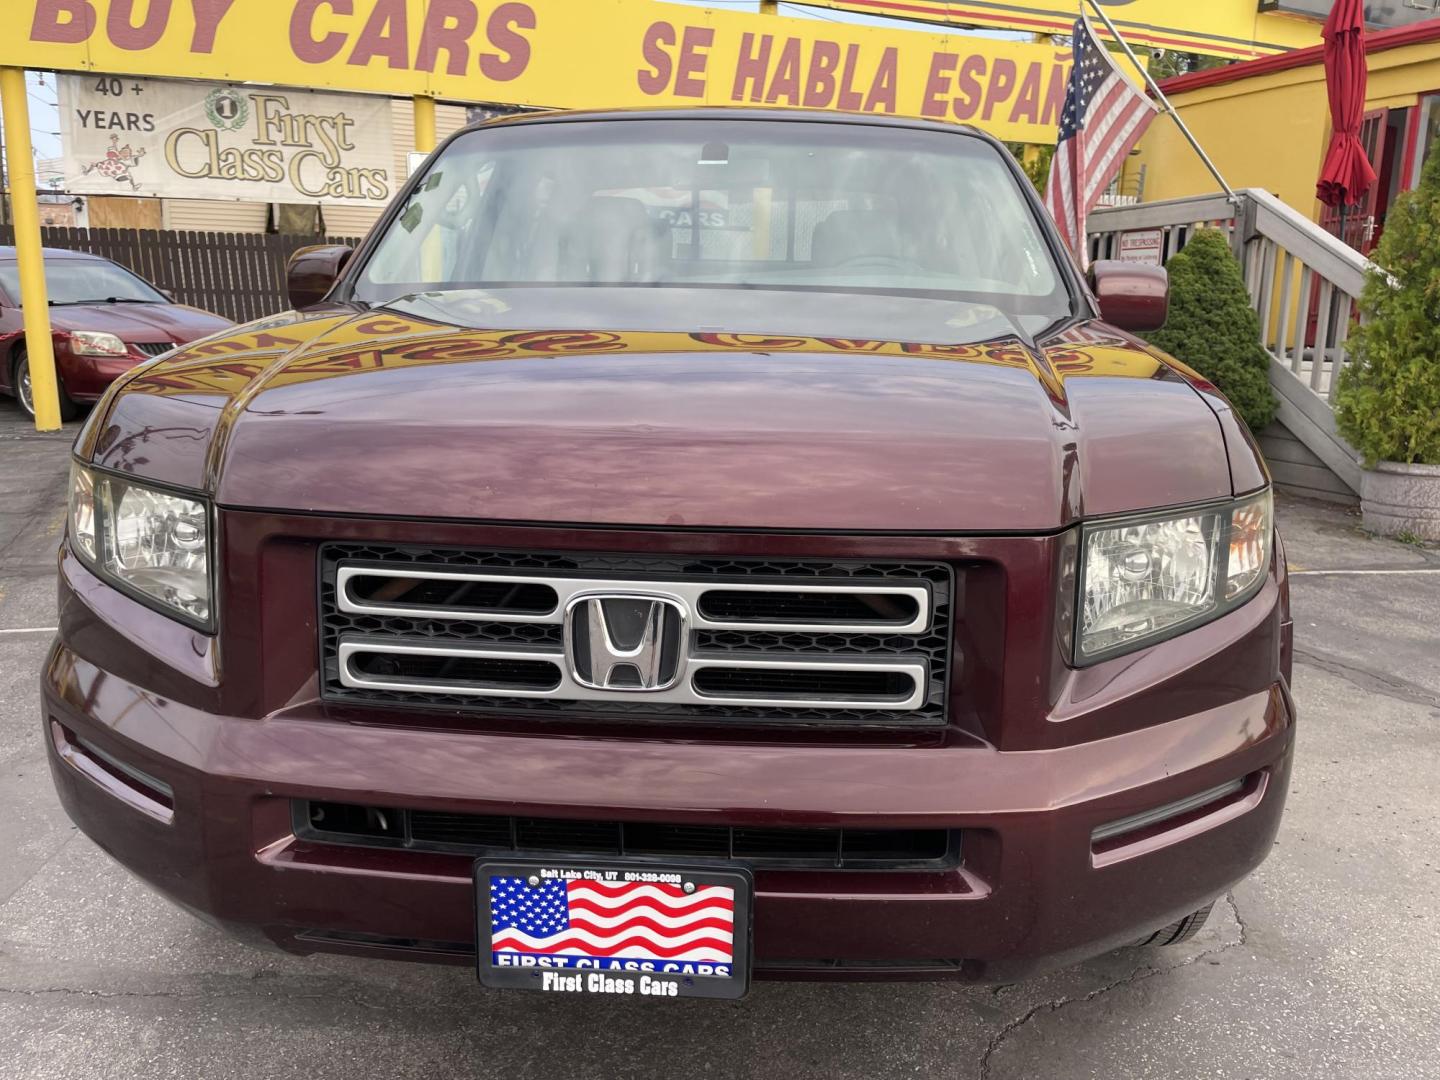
x=1030, y=894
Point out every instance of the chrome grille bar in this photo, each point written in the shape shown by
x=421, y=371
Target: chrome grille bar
x=384, y=646
x=917, y=670
x=688, y=593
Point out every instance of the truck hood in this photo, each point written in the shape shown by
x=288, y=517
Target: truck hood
x=393, y=414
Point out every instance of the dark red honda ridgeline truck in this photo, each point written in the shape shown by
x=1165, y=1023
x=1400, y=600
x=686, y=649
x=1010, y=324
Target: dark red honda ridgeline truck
x=677, y=548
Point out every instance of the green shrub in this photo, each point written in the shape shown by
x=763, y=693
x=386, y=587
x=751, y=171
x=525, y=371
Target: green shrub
x=1038, y=168
x=1213, y=328
x=1388, y=400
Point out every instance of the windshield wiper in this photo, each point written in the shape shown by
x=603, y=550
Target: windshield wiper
x=102, y=300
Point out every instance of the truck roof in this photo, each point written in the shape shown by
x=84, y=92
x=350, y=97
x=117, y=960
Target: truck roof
x=730, y=112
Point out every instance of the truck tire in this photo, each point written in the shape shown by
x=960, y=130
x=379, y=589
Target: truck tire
x=1178, y=932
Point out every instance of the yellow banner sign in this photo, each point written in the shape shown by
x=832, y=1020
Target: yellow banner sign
x=552, y=53
x=1230, y=28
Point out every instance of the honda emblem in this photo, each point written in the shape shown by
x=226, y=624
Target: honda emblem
x=625, y=641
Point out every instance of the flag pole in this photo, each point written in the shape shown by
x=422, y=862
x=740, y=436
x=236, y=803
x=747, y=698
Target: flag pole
x=1164, y=101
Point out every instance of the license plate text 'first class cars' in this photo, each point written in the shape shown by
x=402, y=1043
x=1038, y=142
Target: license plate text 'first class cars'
x=621, y=929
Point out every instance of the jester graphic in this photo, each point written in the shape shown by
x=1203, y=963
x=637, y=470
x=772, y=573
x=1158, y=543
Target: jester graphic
x=118, y=163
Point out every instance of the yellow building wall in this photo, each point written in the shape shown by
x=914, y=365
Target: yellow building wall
x=1271, y=131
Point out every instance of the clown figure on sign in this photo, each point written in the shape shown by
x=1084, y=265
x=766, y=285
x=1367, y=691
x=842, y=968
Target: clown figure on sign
x=118, y=163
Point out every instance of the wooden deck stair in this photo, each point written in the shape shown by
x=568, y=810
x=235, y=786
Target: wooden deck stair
x=1303, y=283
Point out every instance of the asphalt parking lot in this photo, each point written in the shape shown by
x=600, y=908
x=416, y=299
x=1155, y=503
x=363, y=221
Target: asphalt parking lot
x=1323, y=964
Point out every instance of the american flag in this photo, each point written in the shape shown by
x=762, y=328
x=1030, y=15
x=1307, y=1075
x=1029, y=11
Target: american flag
x=611, y=921
x=1104, y=116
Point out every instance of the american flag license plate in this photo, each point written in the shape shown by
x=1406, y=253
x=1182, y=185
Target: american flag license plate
x=613, y=929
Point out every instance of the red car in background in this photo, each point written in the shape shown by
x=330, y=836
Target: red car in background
x=105, y=319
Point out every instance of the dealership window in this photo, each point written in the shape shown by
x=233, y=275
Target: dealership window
x=1426, y=134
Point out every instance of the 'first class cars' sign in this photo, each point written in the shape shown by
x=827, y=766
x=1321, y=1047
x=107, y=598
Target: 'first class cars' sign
x=194, y=140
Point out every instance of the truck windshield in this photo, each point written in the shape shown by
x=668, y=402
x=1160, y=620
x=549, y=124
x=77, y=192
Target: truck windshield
x=725, y=204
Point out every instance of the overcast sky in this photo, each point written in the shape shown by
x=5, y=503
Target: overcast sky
x=44, y=118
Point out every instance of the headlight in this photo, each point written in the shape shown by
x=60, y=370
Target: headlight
x=147, y=541
x=1155, y=576
x=94, y=343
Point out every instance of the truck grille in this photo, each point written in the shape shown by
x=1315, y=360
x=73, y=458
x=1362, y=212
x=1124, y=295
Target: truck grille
x=818, y=642
x=474, y=834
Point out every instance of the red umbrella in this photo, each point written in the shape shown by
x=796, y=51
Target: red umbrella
x=1346, y=175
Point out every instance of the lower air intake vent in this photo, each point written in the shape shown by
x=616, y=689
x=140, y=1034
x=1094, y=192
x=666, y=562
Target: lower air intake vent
x=472, y=834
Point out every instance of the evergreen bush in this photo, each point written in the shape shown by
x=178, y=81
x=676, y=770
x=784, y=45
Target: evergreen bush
x=1213, y=329
x=1388, y=401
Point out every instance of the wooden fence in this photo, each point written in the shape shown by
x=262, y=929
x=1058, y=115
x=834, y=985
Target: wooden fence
x=238, y=275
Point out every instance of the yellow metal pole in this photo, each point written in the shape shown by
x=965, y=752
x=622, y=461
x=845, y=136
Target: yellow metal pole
x=424, y=124
x=30, y=262
x=432, y=248
x=764, y=213
x=764, y=197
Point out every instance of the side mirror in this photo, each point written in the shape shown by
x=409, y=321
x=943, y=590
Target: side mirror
x=1132, y=296
x=313, y=271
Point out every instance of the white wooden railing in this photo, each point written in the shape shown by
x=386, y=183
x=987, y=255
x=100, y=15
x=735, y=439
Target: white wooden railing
x=1303, y=284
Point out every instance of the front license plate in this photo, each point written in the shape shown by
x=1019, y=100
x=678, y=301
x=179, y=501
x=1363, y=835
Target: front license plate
x=613, y=929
